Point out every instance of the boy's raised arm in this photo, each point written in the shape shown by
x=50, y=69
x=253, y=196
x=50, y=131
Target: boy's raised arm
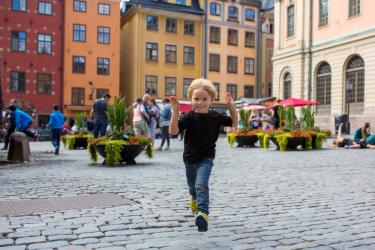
x=173, y=126
x=232, y=110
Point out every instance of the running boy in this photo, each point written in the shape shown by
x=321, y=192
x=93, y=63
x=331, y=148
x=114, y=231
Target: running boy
x=202, y=128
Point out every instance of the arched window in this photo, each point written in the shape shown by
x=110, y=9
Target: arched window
x=323, y=88
x=287, y=86
x=355, y=83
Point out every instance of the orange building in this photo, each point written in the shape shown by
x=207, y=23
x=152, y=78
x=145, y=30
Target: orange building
x=91, y=52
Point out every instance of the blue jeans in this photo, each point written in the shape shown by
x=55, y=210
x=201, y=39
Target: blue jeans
x=197, y=176
x=100, y=128
x=55, y=137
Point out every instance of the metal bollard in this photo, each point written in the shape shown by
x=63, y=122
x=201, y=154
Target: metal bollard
x=19, y=149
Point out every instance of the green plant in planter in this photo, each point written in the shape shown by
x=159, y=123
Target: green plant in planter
x=117, y=115
x=280, y=115
x=244, y=119
x=282, y=140
x=79, y=120
x=320, y=137
x=290, y=118
x=308, y=117
x=231, y=138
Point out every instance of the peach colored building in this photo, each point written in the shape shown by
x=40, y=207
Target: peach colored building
x=324, y=51
x=91, y=52
x=232, y=42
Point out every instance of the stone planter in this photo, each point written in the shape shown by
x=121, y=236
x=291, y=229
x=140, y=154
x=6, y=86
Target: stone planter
x=246, y=140
x=293, y=142
x=128, y=154
x=80, y=142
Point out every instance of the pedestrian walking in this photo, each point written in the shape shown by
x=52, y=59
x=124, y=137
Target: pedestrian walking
x=165, y=118
x=11, y=125
x=154, y=113
x=141, y=119
x=99, y=116
x=202, y=127
x=56, y=121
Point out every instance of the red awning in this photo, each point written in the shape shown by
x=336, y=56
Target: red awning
x=185, y=107
x=295, y=102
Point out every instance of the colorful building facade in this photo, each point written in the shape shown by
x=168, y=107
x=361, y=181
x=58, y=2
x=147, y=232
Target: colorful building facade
x=161, y=48
x=31, y=66
x=91, y=52
x=324, y=51
x=232, y=43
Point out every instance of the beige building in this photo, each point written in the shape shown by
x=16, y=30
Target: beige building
x=232, y=40
x=324, y=51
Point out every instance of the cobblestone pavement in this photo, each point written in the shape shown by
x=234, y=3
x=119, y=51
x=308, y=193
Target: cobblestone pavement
x=260, y=199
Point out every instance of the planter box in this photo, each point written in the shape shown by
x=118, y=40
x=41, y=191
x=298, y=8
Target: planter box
x=293, y=142
x=128, y=153
x=80, y=142
x=246, y=140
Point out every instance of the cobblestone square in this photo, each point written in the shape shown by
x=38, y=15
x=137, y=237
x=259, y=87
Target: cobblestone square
x=260, y=199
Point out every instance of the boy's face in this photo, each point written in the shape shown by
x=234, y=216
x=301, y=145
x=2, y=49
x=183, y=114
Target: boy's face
x=201, y=100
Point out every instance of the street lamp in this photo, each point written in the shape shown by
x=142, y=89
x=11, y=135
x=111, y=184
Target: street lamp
x=349, y=88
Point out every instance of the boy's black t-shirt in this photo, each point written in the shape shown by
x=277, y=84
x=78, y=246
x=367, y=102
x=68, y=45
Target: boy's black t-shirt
x=201, y=133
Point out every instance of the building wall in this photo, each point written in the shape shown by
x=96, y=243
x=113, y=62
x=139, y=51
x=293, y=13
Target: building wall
x=92, y=50
x=134, y=27
x=335, y=44
x=240, y=79
x=30, y=61
x=267, y=47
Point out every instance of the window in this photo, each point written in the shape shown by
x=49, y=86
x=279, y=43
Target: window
x=171, y=25
x=79, y=64
x=249, y=39
x=79, y=5
x=214, y=34
x=290, y=28
x=214, y=64
x=17, y=81
x=79, y=32
x=182, y=2
x=287, y=86
x=104, y=35
x=217, y=86
x=152, y=52
x=232, y=64
x=189, y=28
x=215, y=9
x=104, y=9
x=170, y=53
x=45, y=8
x=188, y=55
x=19, y=5
x=323, y=12
x=186, y=84
x=18, y=41
x=44, y=44
x=151, y=85
x=323, y=84
x=44, y=83
x=78, y=96
x=233, y=12
x=232, y=37
x=170, y=86
x=249, y=66
x=152, y=23
x=354, y=7
x=250, y=14
x=355, y=80
x=232, y=88
x=103, y=66
x=101, y=92
x=248, y=91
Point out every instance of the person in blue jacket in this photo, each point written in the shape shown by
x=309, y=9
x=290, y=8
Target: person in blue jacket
x=56, y=121
x=23, y=122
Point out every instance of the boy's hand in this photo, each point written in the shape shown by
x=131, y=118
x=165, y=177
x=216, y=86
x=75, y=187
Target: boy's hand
x=229, y=99
x=174, y=104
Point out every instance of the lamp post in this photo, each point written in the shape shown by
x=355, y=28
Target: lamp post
x=349, y=88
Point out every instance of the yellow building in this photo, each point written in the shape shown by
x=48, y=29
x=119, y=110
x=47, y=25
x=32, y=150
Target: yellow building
x=161, y=48
x=91, y=52
x=232, y=42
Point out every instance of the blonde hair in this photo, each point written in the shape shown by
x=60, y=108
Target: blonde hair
x=205, y=84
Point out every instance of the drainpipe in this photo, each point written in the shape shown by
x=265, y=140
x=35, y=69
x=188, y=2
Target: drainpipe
x=204, y=37
x=258, y=53
x=309, y=88
x=62, y=78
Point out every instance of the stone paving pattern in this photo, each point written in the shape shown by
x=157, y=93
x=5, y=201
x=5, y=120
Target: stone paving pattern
x=260, y=199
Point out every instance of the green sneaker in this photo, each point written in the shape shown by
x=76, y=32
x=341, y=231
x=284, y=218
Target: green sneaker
x=193, y=205
x=201, y=221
